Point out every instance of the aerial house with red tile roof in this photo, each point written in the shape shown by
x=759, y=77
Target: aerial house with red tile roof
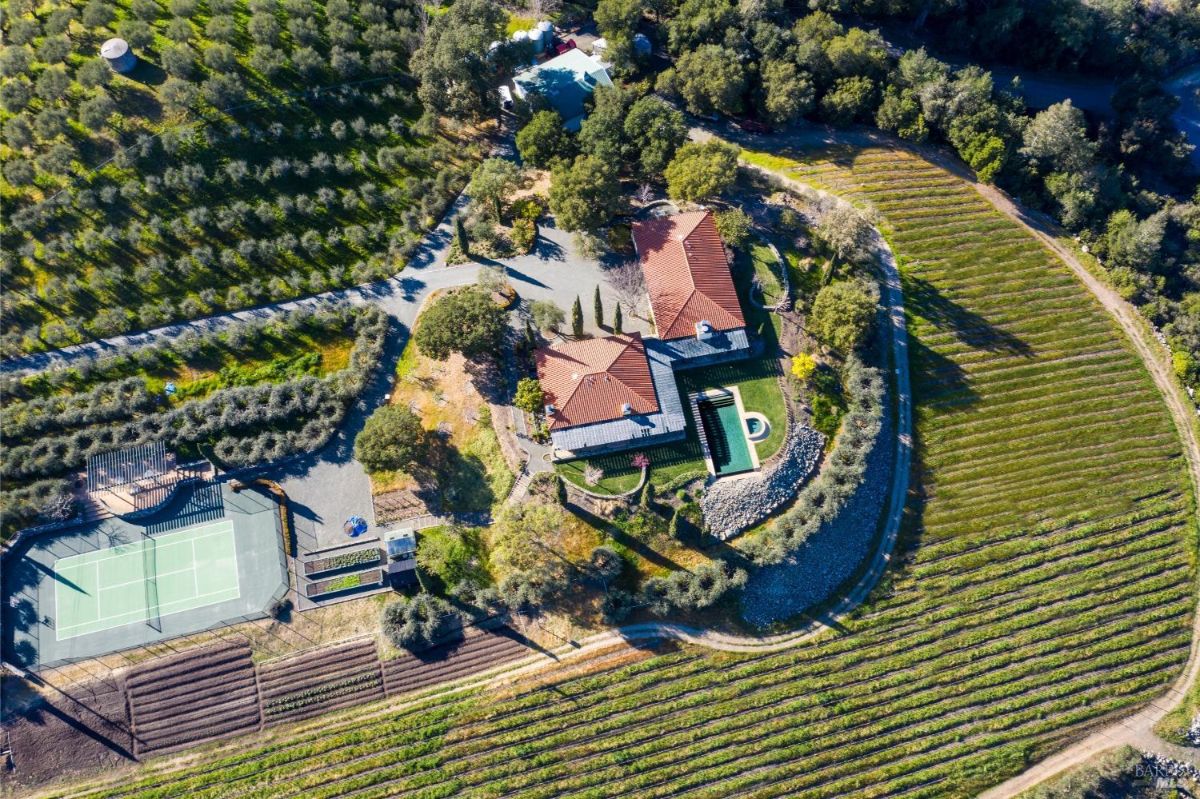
x=606, y=394
x=617, y=392
x=692, y=297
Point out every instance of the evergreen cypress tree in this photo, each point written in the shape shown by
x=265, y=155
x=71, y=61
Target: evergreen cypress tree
x=530, y=337
x=598, y=309
x=577, y=318
x=460, y=232
x=617, y=320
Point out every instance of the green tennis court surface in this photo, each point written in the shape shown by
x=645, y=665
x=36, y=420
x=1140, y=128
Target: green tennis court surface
x=146, y=579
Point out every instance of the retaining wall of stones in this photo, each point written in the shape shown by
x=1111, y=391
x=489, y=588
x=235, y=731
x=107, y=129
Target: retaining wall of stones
x=738, y=503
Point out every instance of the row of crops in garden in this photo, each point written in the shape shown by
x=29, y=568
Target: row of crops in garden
x=165, y=207
x=205, y=693
x=1043, y=584
x=319, y=681
x=243, y=424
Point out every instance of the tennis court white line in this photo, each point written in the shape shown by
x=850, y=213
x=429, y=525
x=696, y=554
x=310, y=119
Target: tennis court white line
x=143, y=579
x=195, y=582
x=103, y=621
x=225, y=525
x=139, y=615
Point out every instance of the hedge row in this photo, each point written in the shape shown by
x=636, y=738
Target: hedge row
x=105, y=403
x=283, y=418
x=822, y=499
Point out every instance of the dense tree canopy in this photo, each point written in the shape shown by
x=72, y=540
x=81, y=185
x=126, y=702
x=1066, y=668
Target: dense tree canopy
x=465, y=321
x=451, y=65
x=711, y=79
x=701, y=170
x=586, y=194
x=656, y=131
x=392, y=438
x=543, y=140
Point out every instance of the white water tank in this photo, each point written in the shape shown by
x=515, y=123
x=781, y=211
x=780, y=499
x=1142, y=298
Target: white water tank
x=520, y=37
x=535, y=39
x=118, y=55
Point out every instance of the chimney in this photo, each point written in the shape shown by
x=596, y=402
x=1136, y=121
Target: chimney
x=550, y=409
x=626, y=409
x=703, y=330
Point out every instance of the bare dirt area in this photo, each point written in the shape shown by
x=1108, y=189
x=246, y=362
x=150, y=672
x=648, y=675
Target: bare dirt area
x=196, y=696
x=55, y=736
x=476, y=650
x=320, y=681
x=465, y=470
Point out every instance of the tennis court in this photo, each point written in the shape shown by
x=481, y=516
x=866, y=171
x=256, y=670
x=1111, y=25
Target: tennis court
x=142, y=581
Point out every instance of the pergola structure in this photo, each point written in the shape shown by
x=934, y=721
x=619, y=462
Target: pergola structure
x=136, y=478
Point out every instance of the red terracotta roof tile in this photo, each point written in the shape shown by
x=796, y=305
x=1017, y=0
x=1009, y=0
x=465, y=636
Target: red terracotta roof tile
x=687, y=274
x=592, y=380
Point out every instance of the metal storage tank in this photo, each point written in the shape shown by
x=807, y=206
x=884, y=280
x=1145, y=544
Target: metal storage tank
x=118, y=55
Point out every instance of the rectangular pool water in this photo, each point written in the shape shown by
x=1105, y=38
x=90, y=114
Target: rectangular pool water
x=726, y=435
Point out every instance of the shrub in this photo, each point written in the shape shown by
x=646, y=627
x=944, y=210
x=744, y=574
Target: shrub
x=416, y=623
x=546, y=315
x=734, y=226
x=803, y=366
x=450, y=554
x=529, y=396
x=842, y=314
x=524, y=234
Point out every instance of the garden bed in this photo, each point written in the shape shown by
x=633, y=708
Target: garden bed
x=346, y=560
x=198, y=695
x=346, y=582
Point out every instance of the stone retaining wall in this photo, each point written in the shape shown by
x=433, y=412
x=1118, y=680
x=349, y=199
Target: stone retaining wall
x=738, y=503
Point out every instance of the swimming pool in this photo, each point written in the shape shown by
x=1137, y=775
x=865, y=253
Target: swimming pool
x=721, y=423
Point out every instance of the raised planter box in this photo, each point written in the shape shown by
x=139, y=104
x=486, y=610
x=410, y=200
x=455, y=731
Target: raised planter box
x=346, y=560
x=346, y=582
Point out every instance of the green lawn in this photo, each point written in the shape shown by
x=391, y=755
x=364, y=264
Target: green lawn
x=766, y=268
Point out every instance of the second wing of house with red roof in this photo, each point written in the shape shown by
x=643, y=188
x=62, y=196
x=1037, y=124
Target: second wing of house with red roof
x=608, y=393
x=693, y=301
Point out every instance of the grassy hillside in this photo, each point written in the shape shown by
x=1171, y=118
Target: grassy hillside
x=260, y=150
x=1047, y=583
